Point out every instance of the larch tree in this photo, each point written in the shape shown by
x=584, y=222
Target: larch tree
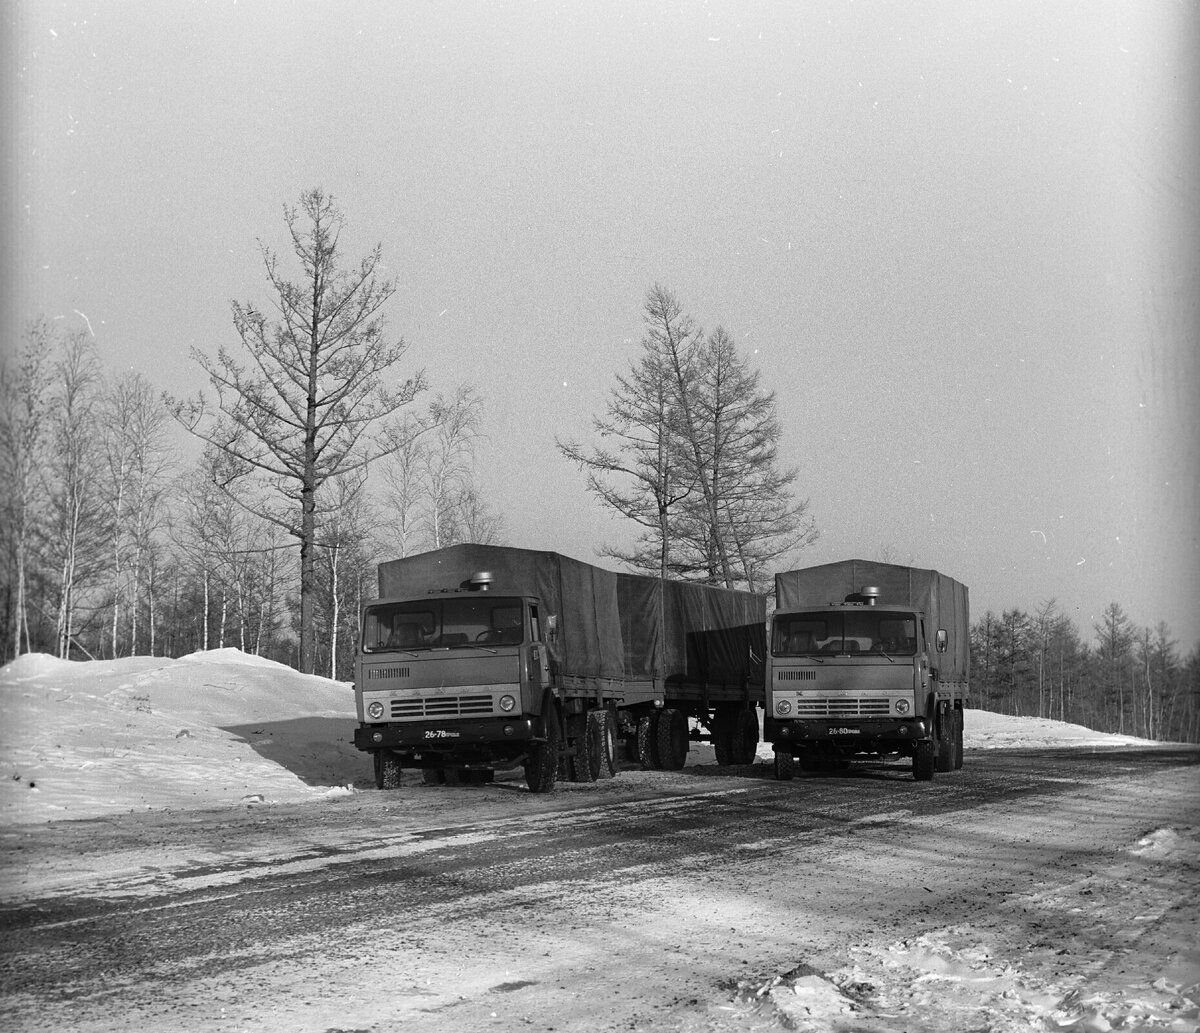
x=749, y=516
x=313, y=393
x=690, y=451
x=638, y=469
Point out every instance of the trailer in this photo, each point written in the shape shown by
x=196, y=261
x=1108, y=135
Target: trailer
x=481, y=658
x=867, y=660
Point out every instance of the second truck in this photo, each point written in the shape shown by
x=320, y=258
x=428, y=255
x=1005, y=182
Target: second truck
x=867, y=660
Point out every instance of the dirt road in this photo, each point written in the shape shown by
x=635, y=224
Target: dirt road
x=1028, y=887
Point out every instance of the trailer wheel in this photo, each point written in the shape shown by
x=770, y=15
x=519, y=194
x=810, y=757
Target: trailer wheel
x=609, y=754
x=744, y=741
x=959, y=715
x=924, y=760
x=541, y=765
x=945, y=742
x=434, y=776
x=646, y=745
x=723, y=725
x=785, y=766
x=387, y=770
x=600, y=744
x=584, y=764
x=671, y=739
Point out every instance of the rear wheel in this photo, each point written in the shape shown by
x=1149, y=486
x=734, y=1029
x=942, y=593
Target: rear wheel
x=541, y=765
x=743, y=745
x=601, y=744
x=584, y=764
x=724, y=721
x=785, y=766
x=387, y=770
x=610, y=742
x=945, y=742
x=671, y=738
x=645, y=741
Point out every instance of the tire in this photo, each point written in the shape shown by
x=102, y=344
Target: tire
x=785, y=766
x=945, y=742
x=434, y=776
x=584, y=765
x=744, y=741
x=671, y=739
x=959, y=715
x=541, y=765
x=609, y=755
x=387, y=770
x=600, y=744
x=646, y=744
x=924, y=761
x=723, y=723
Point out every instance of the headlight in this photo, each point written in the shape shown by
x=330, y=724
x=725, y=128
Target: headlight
x=782, y=706
x=375, y=710
x=903, y=706
x=507, y=703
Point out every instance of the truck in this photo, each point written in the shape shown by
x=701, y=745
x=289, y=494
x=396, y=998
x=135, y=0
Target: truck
x=867, y=661
x=478, y=658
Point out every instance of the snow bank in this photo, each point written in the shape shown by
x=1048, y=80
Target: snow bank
x=82, y=740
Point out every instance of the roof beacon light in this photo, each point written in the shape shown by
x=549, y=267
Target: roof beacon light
x=480, y=581
x=870, y=595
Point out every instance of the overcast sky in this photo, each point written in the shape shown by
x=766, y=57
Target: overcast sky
x=958, y=240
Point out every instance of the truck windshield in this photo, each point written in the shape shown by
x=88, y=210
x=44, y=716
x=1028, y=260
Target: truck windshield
x=442, y=624
x=849, y=631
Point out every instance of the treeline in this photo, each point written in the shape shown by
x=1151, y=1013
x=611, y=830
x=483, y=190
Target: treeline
x=112, y=545
x=1129, y=680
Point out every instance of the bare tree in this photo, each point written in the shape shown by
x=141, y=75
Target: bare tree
x=433, y=499
x=690, y=453
x=317, y=396
x=737, y=444
x=137, y=460
x=23, y=427
x=78, y=521
x=639, y=470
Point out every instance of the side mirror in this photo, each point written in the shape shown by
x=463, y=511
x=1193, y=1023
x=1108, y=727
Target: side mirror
x=552, y=625
x=943, y=640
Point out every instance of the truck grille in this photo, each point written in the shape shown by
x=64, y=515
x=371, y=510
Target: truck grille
x=843, y=707
x=795, y=675
x=441, y=706
x=376, y=673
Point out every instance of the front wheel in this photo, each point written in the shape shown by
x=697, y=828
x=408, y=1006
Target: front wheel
x=785, y=766
x=387, y=770
x=541, y=765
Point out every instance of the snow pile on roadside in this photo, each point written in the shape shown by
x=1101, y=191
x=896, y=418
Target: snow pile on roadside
x=219, y=728
x=984, y=730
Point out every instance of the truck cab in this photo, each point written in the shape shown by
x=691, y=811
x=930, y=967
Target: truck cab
x=451, y=679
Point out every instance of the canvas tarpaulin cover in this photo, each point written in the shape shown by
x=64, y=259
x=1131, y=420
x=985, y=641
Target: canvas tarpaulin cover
x=943, y=600
x=609, y=625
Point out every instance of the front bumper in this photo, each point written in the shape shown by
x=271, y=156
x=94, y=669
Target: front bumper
x=426, y=744
x=874, y=735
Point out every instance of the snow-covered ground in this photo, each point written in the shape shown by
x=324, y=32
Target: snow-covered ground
x=81, y=740
x=223, y=729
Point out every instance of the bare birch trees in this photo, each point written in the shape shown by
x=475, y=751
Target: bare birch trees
x=688, y=450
